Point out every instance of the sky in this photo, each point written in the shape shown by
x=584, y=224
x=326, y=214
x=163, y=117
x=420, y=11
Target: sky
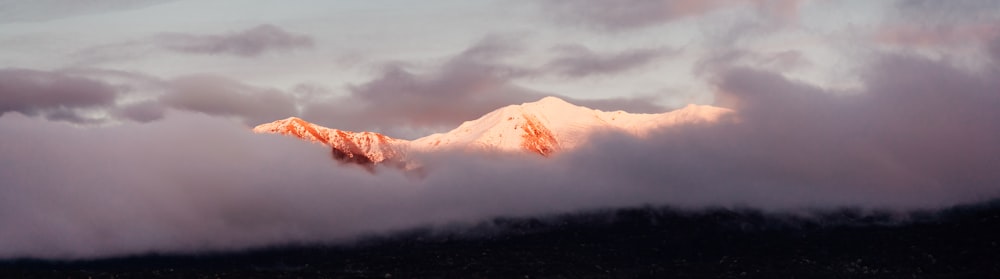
x=125, y=124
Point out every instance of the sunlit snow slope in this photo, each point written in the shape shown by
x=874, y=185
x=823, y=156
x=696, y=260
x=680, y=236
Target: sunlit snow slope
x=544, y=127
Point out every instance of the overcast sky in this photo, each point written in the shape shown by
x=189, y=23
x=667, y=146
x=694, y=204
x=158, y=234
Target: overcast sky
x=338, y=62
x=124, y=125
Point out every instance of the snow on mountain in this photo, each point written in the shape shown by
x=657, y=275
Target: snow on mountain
x=364, y=148
x=551, y=124
x=544, y=127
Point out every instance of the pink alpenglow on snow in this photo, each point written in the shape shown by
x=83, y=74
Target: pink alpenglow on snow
x=543, y=127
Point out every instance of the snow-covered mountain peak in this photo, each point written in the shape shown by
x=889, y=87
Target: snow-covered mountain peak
x=551, y=124
x=364, y=148
x=545, y=127
x=296, y=127
x=550, y=102
x=554, y=107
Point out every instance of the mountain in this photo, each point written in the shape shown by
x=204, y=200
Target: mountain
x=550, y=125
x=364, y=148
x=544, y=127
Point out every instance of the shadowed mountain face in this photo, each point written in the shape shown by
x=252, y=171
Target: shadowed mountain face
x=646, y=242
x=544, y=127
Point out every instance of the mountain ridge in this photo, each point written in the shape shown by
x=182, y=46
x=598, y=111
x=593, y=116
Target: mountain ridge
x=544, y=127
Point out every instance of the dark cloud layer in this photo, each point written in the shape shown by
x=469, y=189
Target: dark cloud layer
x=53, y=95
x=251, y=42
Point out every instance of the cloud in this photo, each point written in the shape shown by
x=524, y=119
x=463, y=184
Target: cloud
x=220, y=96
x=612, y=16
x=146, y=111
x=579, y=61
x=783, y=10
x=54, y=95
x=934, y=23
x=953, y=11
x=248, y=43
x=916, y=136
x=42, y=10
x=405, y=103
x=96, y=96
x=636, y=14
x=401, y=100
x=939, y=34
x=639, y=104
x=176, y=184
x=195, y=183
x=729, y=57
x=993, y=50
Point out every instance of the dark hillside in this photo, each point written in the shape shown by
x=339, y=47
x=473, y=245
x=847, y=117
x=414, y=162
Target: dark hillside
x=643, y=242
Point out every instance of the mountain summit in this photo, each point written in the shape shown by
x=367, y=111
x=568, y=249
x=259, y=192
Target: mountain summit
x=364, y=148
x=543, y=127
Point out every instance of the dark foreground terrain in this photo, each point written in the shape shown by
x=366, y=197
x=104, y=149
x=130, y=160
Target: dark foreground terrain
x=643, y=242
